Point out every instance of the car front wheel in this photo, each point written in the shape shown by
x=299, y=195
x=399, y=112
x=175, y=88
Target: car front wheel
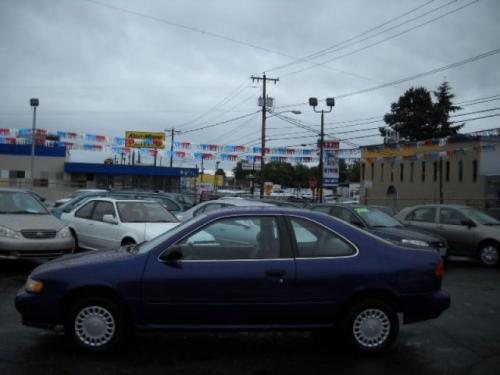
x=95, y=323
x=371, y=326
x=489, y=253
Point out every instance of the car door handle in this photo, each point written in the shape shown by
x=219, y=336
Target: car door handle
x=275, y=273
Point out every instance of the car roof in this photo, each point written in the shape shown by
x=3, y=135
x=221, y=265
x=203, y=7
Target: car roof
x=107, y=199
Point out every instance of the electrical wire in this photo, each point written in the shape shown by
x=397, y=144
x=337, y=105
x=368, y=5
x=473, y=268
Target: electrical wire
x=220, y=123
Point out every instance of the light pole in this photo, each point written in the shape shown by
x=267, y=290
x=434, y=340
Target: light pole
x=33, y=103
x=313, y=102
x=263, y=144
x=172, y=134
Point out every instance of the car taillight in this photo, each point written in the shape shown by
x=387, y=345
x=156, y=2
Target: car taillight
x=440, y=270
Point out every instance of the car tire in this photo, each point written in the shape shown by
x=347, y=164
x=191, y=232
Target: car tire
x=95, y=324
x=75, y=239
x=370, y=326
x=489, y=254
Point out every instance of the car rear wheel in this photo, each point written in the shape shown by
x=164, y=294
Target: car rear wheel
x=95, y=323
x=489, y=254
x=371, y=326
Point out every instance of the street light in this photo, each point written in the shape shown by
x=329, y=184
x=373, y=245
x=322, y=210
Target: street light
x=263, y=145
x=33, y=103
x=313, y=102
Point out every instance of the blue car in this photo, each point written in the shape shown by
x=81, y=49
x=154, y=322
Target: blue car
x=240, y=269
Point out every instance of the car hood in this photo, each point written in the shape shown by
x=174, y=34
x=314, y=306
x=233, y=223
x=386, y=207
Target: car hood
x=82, y=259
x=400, y=233
x=19, y=222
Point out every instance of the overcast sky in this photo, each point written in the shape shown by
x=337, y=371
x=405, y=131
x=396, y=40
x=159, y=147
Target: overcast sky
x=107, y=66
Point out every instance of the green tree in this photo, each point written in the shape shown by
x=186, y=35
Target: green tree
x=302, y=174
x=442, y=110
x=239, y=173
x=412, y=116
x=278, y=173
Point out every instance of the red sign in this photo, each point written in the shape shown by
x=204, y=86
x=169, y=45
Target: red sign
x=313, y=182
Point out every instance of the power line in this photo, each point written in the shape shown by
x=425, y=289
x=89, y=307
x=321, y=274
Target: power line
x=220, y=123
x=380, y=41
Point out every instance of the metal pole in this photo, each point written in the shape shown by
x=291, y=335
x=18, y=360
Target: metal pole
x=320, y=179
x=172, y=148
x=33, y=149
x=263, y=135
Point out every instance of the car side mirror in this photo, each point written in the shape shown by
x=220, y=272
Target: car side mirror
x=172, y=254
x=357, y=223
x=109, y=219
x=467, y=222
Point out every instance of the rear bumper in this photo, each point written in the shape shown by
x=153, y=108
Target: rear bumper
x=424, y=306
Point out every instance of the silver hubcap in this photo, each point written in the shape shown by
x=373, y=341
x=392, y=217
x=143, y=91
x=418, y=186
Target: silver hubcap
x=94, y=326
x=371, y=328
x=489, y=255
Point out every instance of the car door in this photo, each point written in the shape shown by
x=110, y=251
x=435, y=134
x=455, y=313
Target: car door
x=325, y=264
x=221, y=282
x=102, y=235
x=81, y=221
x=422, y=218
x=460, y=237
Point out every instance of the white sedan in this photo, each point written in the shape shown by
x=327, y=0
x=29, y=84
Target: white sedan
x=107, y=223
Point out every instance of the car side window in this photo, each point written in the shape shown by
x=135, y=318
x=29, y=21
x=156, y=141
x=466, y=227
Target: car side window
x=233, y=239
x=315, y=241
x=344, y=214
x=425, y=214
x=213, y=206
x=324, y=209
x=450, y=216
x=85, y=211
x=171, y=205
x=101, y=209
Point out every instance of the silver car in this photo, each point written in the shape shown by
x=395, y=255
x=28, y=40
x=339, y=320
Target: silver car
x=468, y=231
x=108, y=223
x=28, y=230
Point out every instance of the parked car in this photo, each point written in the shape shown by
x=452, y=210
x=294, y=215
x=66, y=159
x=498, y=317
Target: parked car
x=185, y=200
x=28, y=230
x=301, y=270
x=170, y=204
x=77, y=193
x=49, y=205
x=107, y=223
x=217, y=204
x=383, y=225
x=469, y=231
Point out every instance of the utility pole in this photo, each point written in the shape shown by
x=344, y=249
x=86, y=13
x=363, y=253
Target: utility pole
x=34, y=102
x=172, y=134
x=263, y=131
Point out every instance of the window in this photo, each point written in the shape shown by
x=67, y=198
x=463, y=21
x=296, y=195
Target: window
x=401, y=172
x=447, y=171
x=474, y=170
x=435, y=171
x=17, y=174
x=86, y=211
x=315, y=241
x=450, y=216
x=344, y=214
x=425, y=214
x=382, y=172
x=324, y=209
x=412, y=167
x=460, y=170
x=234, y=238
x=423, y=171
x=209, y=208
x=142, y=212
x=101, y=209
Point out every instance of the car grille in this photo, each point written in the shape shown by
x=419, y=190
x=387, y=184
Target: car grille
x=438, y=244
x=38, y=234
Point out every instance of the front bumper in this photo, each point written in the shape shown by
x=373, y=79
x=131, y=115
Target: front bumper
x=37, y=310
x=11, y=248
x=418, y=307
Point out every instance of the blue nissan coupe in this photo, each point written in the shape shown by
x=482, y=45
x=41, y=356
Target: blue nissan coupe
x=241, y=269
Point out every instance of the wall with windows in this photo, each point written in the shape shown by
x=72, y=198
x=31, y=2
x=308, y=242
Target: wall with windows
x=458, y=179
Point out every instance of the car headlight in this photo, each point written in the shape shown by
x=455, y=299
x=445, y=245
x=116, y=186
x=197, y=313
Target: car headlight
x=33, y=286
x=9, y=233
x=415, y=242
x=64, y=233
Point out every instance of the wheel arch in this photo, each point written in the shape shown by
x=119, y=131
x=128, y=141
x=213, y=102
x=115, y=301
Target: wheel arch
x=486, y=241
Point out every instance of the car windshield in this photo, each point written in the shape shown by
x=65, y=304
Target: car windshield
x=149, y=245
x=376, y=218
x=481, y=217
x=20, y=203
x=144, y=212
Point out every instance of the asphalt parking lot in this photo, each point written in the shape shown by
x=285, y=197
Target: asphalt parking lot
x=464, y=340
